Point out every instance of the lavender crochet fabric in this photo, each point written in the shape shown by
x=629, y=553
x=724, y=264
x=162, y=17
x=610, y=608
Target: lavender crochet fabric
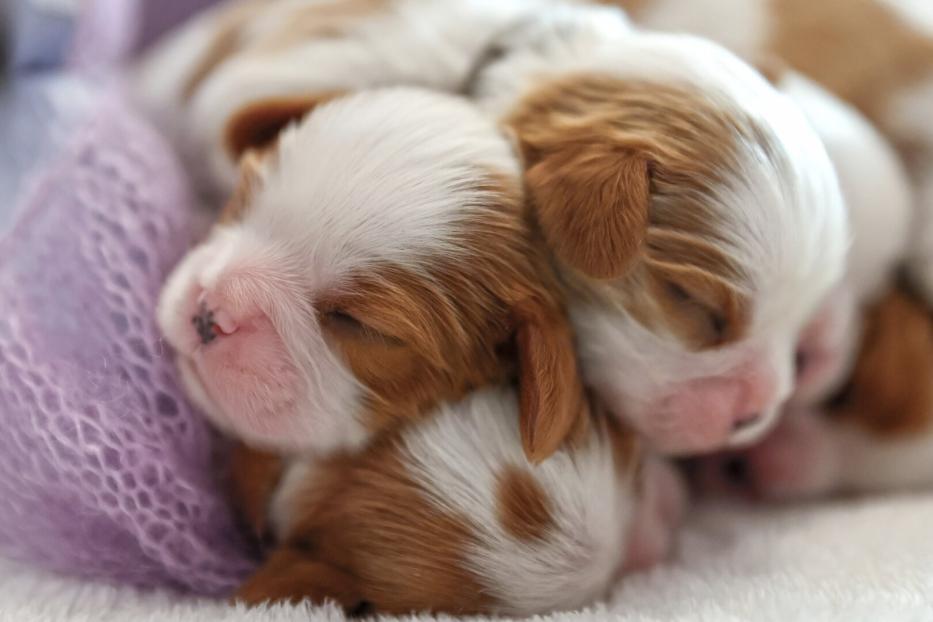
x=105, y=470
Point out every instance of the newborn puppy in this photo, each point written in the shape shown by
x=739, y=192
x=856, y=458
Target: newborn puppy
x=289, y=53
x=875, y=54
x=375, y=261
x=879, y=202
x=696, y=218
x=447, y=515
x=874, y=435
x=809, y=453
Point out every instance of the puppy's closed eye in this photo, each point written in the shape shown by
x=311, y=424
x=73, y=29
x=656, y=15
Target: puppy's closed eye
x=343, y=324
x=706, y=325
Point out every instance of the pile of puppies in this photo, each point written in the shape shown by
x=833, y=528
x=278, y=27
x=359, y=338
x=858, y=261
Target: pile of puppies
x=484, y=265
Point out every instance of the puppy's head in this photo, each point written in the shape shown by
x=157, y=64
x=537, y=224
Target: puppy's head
x=374, y=261
x=875, y=434
x=695, y=215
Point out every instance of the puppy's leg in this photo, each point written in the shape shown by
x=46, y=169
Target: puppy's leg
x=290, y=575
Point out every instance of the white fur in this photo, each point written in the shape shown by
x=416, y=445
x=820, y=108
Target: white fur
x=384, y=178
x=868, y=463
x=875, y=186
x=412, y=42
x=457, y=455
x=740, y=25
x=787, y=223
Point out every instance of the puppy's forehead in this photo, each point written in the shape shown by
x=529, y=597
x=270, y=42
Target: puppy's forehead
x=395, y=176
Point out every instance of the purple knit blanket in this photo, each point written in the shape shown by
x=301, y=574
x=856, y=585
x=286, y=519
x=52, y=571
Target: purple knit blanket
x=105, y=470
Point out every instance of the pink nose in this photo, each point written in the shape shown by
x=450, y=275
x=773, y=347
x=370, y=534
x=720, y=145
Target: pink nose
x=711, y=413
x=210, y=320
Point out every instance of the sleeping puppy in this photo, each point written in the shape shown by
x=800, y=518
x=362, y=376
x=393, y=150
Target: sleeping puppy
x=447, y=515
x=879, y=202
x=695, y=217
x=824, y=445
x=374, y=261
x=874, y=435
x=287, y=52
x=374, y=268
x=875, y=54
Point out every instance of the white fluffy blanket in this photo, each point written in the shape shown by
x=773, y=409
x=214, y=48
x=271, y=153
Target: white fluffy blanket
x=866, y=560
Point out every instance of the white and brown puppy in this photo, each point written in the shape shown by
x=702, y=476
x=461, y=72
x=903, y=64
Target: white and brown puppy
x=695, y=215
x=447, y=515
x=375, y=261
x=876, y=54
x=874, y=435
x=879, y=202
x=290, y=52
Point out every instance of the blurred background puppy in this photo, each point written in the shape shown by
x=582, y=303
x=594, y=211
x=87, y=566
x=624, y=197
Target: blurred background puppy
x=875, y=54
x=696, y=218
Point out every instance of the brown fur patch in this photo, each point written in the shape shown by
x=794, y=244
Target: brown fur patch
x=257, y=125
x=414, y=339
x=523, y=507
x=623, y=175
x=890, y=392
x=859, y=49
x=367, y=528
x=254, y=476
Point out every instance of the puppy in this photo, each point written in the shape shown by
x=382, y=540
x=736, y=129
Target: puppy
x=447, y=515
x=876, y=54
x=879, y=202
x=874, y=435
x=694, y=214
x=390, y=274
x=289, y=54
x=374, y=262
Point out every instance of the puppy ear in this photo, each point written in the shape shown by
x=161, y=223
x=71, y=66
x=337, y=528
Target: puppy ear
x=592, y=206
x=290, y=576
x=551, y=397
x=257, y=125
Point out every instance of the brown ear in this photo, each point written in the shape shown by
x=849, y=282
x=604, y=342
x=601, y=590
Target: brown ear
x=289, y=576
x=592, y=206
x=551, y=398
x=257, y=125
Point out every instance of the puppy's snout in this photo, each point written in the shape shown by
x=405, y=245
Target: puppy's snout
x=210, y=322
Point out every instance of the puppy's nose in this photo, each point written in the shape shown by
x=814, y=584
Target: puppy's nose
x=203, y=322
x=210, y=322
x=735, y=470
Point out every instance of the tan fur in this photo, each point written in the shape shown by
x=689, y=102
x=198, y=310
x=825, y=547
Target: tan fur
x=523, y=507
x=619, y=173
x=369, y=535
x=257, y=126
x=890, y=392
x=413, y=342
x=366, y=535
x=859, y=49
